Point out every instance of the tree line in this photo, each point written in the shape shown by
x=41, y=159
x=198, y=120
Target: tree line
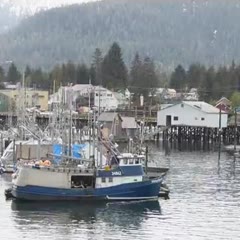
x=211, y=82
x=142, y=77
x=109, y=71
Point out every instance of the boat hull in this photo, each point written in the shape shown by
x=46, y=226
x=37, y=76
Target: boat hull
x=125, y=192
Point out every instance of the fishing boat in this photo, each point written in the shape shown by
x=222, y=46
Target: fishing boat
x=122, y=179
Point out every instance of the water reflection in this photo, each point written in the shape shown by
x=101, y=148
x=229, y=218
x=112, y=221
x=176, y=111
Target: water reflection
x=120, y=214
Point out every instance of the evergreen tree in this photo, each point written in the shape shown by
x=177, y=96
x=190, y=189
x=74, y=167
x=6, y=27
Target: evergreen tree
x=206, y=90
x=13, y=75
x=27, y=76
x=195, y=75
x=149, y=77
x=28, y=71
x=37, y=78
x=113, y=69
x=56, y=77
x=221, y=83
x=96, y=67
x=82, y=73
x=178, y=79
x=136, y=79
x=2, y=75
x=71, y=73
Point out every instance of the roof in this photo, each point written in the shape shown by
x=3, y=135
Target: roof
x=79, y=87
x=199, y=105
x=165, y=105
x=108, y=116
x=223, y=100
x=203, y=106
x=129, y=122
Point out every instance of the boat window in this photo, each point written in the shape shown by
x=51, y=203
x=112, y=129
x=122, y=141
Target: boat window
x=103, y=179
x=131, y=161
x=125, y=161
x=137, y=161
x=110, y=179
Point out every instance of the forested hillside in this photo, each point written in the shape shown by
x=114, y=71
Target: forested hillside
x=171, y=32
x=7, y=19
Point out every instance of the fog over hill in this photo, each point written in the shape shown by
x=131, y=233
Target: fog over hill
x=170, y=31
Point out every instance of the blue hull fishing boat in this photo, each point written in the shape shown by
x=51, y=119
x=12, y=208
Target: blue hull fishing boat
x=124, y=180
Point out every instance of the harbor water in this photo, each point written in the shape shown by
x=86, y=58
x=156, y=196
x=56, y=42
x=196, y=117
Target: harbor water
x=204, y=204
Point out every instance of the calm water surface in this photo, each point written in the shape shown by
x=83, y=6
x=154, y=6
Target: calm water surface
x=204, y=204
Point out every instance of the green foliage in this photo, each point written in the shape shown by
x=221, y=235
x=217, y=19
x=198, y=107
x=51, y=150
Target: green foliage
x=235, y=99
x=178, y=79
x=171, y=32
x=2, y=75
x=143, y=78
x=96, y=68
x=114, y=71
x=82, y=73
x=13, y=75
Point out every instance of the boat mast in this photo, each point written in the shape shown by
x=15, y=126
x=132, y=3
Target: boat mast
x=70, y=121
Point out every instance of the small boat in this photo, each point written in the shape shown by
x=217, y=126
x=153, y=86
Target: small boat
x=124, y=179
x=232, y=148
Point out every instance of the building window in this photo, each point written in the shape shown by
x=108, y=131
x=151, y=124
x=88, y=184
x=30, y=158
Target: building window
x=103, y=179
x=175, y=118
x=202, y=119
x=110, y=179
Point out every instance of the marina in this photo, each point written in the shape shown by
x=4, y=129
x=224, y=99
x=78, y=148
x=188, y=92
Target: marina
x=203, y=204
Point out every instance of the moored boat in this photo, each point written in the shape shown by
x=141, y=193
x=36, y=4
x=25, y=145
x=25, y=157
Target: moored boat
x=123, y=179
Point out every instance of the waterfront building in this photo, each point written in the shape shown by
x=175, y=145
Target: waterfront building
x=192, y=113
x=30, y=97
x=111, y=124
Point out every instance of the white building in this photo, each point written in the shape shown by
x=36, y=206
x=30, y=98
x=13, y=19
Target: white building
x=191, y=113
x=105, y=99
x=69, y=94
x=102, y=97
x=166, y=93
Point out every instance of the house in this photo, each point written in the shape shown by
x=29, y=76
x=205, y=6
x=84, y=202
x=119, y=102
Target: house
x=192, y=95
x=105, y=99
x=122, y=101
x=111, y=124
x=191, y=113
x=30, y=97
x=166, y=93
x=129, y=127
x=224, y=104
x=5, y=103
x=76, y=96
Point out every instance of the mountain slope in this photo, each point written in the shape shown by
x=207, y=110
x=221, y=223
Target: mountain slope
x=7, y=18
x=170, y=31
x=30, y=7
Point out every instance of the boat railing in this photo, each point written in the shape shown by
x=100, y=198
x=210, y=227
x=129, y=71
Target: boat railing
x=59, y=168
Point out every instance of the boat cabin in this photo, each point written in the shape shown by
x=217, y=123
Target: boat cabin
x=124, y=168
